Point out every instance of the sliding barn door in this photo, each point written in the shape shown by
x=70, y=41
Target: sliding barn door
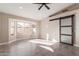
x=66, y=30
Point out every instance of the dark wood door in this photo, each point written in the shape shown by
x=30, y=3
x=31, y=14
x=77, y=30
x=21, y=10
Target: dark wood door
x=67, y=29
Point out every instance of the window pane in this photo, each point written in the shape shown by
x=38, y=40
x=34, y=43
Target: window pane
x=66, y=30
x=66, y=21
x=66, y=39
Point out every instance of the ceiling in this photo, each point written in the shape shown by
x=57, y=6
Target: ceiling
x=30, y=10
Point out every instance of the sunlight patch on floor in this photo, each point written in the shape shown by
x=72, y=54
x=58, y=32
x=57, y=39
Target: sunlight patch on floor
x=47, y=48
x=40, y=41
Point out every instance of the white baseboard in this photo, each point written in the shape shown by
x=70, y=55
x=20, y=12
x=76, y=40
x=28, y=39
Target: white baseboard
x=14, y=40
x=4, y=43
x=11, y=41
x=76, y=45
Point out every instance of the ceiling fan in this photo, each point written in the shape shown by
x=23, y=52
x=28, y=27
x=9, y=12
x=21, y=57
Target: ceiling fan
x=43, y=4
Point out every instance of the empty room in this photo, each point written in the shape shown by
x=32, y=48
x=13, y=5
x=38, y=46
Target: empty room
x=39, y=29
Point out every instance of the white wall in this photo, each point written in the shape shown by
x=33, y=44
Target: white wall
x=45, y=23
x=51, y=28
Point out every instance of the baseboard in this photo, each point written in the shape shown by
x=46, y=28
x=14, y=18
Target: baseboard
x=14, y=40
x=4, y=43
x=76, y=45
x=11, y=41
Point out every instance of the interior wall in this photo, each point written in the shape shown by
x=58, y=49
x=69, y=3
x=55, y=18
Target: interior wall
x=50, y=30
x=54, y=34
x=4, y=29
x=45, y=23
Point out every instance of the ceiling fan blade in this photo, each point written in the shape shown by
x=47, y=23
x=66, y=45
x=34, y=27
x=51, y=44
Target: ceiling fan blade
x=37, y=3
x=47, y=7
x=40, y=7
x=41, y=3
